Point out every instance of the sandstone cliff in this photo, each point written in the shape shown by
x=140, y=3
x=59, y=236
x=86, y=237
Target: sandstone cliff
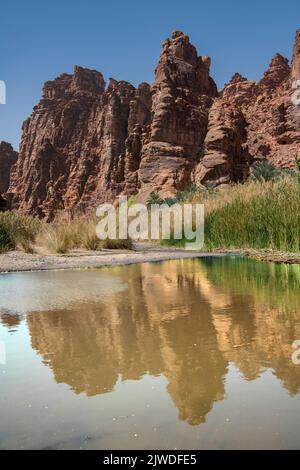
x=86, y=142
x=182, y=95
x=296, y=58
x=7, y=159
x=75, y=143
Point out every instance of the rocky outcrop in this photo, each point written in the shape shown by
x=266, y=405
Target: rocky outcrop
x=8, y=158
x=277, y=72
x=296, y=58
x=250, y=121
x=225, y=156
x=78, y=145
x=182, y=94
x=86, y=143
x=273, y=129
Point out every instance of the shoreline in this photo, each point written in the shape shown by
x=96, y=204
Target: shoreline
x=18, y=261
x=270, y=256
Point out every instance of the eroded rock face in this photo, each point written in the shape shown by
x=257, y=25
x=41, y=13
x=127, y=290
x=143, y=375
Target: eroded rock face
x=252, y=121
x=182, y=94
x=225, y=156
x=86, y=143
x=73, y=153
x=7, y=159
x=273, y=132
x=296, y=58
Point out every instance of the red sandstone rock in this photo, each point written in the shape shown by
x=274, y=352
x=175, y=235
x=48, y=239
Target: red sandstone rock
x=7, y=158
x=182, y=94
x=272, y=120
x=277, y=72
x=85, y=144
x=225, y=156
x=73, y=150
x=296, y=58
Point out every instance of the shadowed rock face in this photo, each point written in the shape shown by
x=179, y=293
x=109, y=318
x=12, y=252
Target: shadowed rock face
x=3, y=204
x=7, y=159
x=225, y=156
x=86, y=143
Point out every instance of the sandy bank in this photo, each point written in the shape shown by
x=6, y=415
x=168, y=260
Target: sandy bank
x=79, y=259
x=14, y=261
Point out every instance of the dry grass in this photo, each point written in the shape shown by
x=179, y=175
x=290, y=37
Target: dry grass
x=21, y=231
x=56, y=238
x=257, y=214
x=65, y=233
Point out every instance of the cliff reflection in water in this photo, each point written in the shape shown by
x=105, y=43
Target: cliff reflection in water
x=184, y=319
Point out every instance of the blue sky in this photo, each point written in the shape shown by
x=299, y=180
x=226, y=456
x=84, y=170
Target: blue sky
x=40, y=40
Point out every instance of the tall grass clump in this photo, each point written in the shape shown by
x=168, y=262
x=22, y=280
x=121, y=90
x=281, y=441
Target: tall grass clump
x=56, y=237
x=265, y=171
x=22, y=230
x=84, y=233
x=297, y=173
x=6, y=241
x=66, y=233
x=268, y=220
x=89, y=237
x=258, y=214
x=63, y=234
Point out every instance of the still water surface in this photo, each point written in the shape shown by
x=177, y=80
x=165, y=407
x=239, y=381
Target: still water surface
x=179, y=354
